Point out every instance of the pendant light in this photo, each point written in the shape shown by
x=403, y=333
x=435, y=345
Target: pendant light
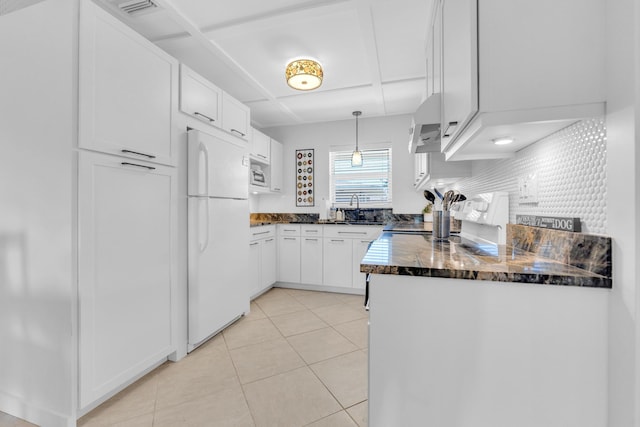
x=356, y=157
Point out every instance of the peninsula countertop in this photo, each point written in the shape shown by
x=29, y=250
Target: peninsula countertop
x=421, y=255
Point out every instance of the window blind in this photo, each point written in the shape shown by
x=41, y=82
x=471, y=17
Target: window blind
x=371, y=181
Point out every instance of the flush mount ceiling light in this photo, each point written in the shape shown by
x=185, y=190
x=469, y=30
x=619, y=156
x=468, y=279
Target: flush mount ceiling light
x=304, y=74
x=356, y=156
x=503, y=140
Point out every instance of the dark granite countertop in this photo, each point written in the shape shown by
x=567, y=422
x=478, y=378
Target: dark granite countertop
x=319, y=222
x=421, y=255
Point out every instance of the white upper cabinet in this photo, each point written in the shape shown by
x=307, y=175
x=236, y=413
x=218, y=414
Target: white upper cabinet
x=199, y=97
x=260, y=146
x=434, y=47
x=433, y=169
x=419, y=168
x=276, y=169
x=236, y=117
x=126, y=89
x=520, y=69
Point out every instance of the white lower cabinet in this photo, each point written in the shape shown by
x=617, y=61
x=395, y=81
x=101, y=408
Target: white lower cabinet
x=337, y=262
x=311, y=254
x=344, y=248
x=288, y=253
x=126, y=267
x=255, y=263
x=262, y=258
x=268, y=264
x=360, y=247
x=323, y=255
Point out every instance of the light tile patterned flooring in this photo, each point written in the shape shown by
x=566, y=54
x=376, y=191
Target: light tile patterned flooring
x=298, y=359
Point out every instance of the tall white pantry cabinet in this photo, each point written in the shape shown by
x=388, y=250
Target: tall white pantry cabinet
x=89, y=189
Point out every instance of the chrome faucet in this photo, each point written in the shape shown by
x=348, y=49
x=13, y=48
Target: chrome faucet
x=358, y=213
x=357, y=201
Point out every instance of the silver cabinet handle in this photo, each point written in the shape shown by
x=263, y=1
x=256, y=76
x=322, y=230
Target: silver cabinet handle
x=290, y=238
x=276, y=189
x=136, y=165
x=352, y=232
x=312, y=240
x=254, y=243
x=311, y=231
x=205, y=116
x=238, y=132
x=261, y=232
x=447, y=133
x=268, y=240
x=337, y=240
x=137, y=153
x=263, y=156
x=288, y=229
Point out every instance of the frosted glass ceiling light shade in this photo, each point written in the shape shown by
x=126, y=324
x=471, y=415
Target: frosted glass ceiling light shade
x=304, y=74
x=356, y=157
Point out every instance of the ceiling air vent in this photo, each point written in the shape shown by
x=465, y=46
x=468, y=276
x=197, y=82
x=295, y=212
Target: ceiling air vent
x=138, y=7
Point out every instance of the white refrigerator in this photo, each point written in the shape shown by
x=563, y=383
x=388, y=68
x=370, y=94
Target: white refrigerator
x=218, y=223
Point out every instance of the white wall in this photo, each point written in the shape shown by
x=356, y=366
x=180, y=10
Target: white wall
x=37, y=199
x=320, y=137
x=623, y=202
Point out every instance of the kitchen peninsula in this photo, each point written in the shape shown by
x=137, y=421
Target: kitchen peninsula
x=478, y=335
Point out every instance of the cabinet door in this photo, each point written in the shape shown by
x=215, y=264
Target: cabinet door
x=436, y=48
x=459, y=67
x=126, y=267
x=359, y=250
x=199, y=97
x=311, y=261
x=126, y=89
x=420, y=167
x=276, y=166
x=260, y=146
x=268, y=266
x=337, y=270
x=289, y=259
x=255, y=267
x=235, y=117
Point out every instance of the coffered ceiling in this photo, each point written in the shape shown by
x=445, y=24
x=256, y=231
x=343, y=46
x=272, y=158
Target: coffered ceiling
x=372, y=52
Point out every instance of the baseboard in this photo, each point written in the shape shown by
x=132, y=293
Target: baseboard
x=18, y=408
x=320, y=288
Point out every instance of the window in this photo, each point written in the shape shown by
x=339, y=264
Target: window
x=371, y=181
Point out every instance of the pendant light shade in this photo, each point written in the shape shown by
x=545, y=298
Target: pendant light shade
x=356, y=157
x=304, y=74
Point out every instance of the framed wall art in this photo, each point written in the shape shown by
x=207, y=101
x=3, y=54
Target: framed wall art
x=305, y=162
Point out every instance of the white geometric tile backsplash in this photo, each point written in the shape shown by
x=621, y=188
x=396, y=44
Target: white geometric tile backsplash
x=571, y=169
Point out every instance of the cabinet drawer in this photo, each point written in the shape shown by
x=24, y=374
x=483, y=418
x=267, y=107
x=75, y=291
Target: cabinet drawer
x=311, y=230
x=262, y=232
x=288, y=230
x=352, y=231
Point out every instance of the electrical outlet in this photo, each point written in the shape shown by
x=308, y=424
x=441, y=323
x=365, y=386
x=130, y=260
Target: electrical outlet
x=528, y=189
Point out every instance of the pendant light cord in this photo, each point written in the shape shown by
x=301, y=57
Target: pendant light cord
x=357, y=132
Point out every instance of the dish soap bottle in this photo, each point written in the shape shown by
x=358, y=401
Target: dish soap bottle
x=340, y=215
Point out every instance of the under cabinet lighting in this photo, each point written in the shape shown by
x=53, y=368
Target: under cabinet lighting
x=503, y=140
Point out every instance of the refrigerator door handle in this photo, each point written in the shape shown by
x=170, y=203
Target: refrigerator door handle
x=203, y=243
x=206, y=240
x=203, y=172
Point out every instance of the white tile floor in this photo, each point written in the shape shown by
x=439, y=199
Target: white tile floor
x=298, y=359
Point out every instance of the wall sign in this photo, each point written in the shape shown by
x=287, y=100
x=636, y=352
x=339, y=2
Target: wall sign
x=305, y=162
x=554, y=223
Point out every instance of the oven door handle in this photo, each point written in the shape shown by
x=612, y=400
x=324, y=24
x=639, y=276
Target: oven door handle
x=366, y=291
